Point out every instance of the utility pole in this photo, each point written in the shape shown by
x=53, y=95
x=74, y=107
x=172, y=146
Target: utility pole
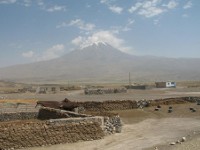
x=129, y=80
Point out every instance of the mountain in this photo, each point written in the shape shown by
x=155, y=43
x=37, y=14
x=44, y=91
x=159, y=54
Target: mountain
x=102, y=62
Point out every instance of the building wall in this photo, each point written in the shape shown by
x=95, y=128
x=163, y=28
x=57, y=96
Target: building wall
x=161, y=84
x=170, y=84
x=165, y=84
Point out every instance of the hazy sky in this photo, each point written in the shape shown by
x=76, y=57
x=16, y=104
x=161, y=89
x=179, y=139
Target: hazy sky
x=34, y=30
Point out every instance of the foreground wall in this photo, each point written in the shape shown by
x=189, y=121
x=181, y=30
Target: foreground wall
x=21, y=135
x=65, y=127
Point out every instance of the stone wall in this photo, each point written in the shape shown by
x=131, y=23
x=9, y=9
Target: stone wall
x=44, y=113
x=171, y=101
x=31, y=134
x=17, y=107
x=60, y=126
x=18, y=116
x=100, y=91
x=108, y=105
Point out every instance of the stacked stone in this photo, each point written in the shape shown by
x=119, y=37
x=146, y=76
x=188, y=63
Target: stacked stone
x=104, y=91
x=192, y=99
x=170, y=101
x=22, y=135
x=18, y=116
x=18, y=107
x=112, y=125
x=108, y=105
x=143, y=103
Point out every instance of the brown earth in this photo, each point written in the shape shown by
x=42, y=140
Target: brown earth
x=144, y=129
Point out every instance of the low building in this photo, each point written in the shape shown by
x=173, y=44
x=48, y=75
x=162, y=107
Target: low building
x=168, y=84
x=47, y=89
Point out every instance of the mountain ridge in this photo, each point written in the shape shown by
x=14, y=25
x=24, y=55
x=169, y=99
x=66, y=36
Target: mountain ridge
x=101, y=61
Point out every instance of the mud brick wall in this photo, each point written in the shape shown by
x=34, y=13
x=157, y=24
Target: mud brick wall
x=22, y=135
x=108, y=105
x=18, y=116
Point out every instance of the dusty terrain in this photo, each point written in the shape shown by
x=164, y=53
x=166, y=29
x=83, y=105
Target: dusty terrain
x=144, y=129
x=130, y=95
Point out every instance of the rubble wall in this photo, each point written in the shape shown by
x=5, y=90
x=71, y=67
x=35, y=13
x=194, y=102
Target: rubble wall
x=108, y=105
x=17, y=107
x=18, y=116
x=100, y=91
x=31, y=134
x=170, y=101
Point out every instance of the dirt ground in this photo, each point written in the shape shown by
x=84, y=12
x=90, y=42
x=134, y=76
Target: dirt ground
x=145, y=129
x=130, y=95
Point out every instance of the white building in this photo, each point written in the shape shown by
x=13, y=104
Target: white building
x=167, y=84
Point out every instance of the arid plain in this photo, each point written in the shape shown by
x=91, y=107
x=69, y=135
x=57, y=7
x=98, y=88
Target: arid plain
x=142, y=128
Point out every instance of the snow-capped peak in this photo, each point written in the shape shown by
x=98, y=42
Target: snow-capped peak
x=97, y=43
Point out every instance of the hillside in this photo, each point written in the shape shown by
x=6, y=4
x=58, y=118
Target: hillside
x=102, y=62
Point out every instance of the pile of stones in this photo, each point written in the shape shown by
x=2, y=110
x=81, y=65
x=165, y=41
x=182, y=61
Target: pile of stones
x=112, y=125
x=143, y=103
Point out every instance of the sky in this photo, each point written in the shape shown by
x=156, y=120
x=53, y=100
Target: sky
x=38, y=30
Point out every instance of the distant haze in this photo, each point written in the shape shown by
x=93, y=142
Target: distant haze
x=102, y=62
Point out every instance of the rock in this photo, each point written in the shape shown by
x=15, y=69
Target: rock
x=170, y=110
x=172, y=143
x=183, y=139
x=194, y=110
x=178, y=142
